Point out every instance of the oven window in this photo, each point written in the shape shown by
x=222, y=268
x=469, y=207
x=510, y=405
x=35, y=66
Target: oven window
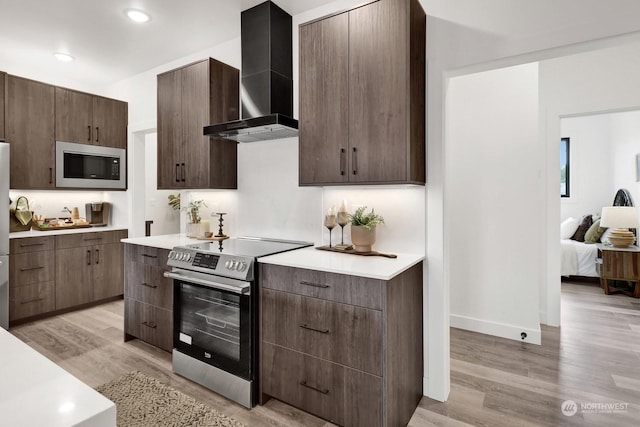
x=86, y=166
x=210, y=320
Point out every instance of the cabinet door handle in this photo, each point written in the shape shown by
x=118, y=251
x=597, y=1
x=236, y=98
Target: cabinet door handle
x=183, y=173
x=32, y=268
x=149, y=286
x=149, y=324
x=342, y=160
x=91, y=238
x=354, y=161
x=88, y=257
x=31, y=300
x=315, y=285
x=89, y=133
x=31, y=244
x=149, y=256
x=97, y=134
x=319, y=390
x=97, y=256
x=50, y=175
x=322, y=331
x=177, y=172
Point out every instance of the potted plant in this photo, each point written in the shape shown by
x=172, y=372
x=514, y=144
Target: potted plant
x=194, y=228
x=363, y=228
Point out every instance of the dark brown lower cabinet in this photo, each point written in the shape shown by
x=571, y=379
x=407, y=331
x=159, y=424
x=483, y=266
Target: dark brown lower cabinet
x=149, y=323
x=31, y=300
x=345, y=348
x=148, y=296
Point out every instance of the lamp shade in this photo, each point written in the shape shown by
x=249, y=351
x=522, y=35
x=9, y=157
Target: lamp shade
x=619, y=217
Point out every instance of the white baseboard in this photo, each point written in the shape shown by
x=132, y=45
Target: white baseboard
x=503, y=330
x=543, y=317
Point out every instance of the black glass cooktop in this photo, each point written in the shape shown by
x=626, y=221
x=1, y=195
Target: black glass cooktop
x=249, y=246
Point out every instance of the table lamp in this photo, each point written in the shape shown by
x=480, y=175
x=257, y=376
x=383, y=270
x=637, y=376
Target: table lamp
x=620, y=218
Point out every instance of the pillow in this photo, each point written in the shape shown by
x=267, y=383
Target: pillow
x=568, y=227
x=594, y=233
x=585, y=223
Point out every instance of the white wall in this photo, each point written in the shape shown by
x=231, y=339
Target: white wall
x=591, y=165
x=157, y=209
x=494, y=186
x=625, y=136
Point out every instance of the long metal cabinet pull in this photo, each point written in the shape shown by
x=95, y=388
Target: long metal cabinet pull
x=149, y=324
x=183, y=173
x=97, y=256
x=342, y=160
x=50, y=175
x=89, y=133
x=31, y=244
x=322, y=331
x=31, y=300
x=32, y=268
x=148, y=285
x=354, y=161
x=149, y=256
x=319, y=390
x=97, y=134
x=88, y=257
x=177, y=172
x=315, y=285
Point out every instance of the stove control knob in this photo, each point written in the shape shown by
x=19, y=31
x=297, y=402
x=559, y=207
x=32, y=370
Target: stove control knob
x=228, y=265
x=234, y=265
x=242, y=266
x=172, y=255
x=187, y=257
x=183, y=256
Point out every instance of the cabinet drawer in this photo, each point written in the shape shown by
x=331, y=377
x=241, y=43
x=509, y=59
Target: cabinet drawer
x=31, y=244
x=341, y=333
x=89, y=239
x=353, y=290
x=30, y=300
x=147, y=284
x=149, y=323
x=338, y=394
x=28, y=268
x=146, y=255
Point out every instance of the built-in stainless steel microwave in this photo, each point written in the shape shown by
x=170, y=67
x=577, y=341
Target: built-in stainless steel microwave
x=90, y=166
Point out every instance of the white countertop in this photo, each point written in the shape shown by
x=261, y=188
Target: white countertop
x=374, y=267
x=167, y=241
x=38, y=233
x=34, y=391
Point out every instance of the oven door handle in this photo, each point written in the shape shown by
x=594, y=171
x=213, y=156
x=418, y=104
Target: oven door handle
x=244, y=289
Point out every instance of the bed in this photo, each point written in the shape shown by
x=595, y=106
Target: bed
x=578, y=258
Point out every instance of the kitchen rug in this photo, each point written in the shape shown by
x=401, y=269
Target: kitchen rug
x=142, y=401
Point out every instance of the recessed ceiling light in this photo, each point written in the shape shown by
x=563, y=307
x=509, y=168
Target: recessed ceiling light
x=137, y=15
x=63, y=57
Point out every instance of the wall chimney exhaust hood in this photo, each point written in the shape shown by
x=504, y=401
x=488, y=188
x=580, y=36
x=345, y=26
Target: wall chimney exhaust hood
x=266, y=78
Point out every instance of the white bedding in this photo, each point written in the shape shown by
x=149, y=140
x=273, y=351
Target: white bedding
x=578, y=258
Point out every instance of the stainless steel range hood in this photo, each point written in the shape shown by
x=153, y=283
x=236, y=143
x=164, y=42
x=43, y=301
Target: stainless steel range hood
x=267, y=78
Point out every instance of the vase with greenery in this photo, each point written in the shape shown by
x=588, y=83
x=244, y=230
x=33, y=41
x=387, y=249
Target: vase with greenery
x=363, y=228
x=194, y=227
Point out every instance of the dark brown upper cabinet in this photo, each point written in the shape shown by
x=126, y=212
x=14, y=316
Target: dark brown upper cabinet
x=30, y=131
x=362, y=96
x=190, y=98
x=3, y=77
x=90, y=119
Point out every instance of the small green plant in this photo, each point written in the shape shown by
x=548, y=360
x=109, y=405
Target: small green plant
x=194, y=210
x=368, y=220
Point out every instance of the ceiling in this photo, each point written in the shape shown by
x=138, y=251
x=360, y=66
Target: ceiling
x=109, y=47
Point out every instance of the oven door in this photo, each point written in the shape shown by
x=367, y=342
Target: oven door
x=212, y=321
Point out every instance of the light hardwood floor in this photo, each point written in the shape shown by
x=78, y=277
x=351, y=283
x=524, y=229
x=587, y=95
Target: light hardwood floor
x=594, y=358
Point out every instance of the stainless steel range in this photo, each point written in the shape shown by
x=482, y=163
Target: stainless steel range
x=216, y=313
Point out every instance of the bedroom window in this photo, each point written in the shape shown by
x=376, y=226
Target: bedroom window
x=564, y=167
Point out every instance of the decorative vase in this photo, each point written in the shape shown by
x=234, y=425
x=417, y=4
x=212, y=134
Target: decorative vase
x=195, y=229
x=362, y=238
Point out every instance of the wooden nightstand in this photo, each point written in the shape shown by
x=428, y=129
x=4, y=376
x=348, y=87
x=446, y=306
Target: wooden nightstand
x=620, y=264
